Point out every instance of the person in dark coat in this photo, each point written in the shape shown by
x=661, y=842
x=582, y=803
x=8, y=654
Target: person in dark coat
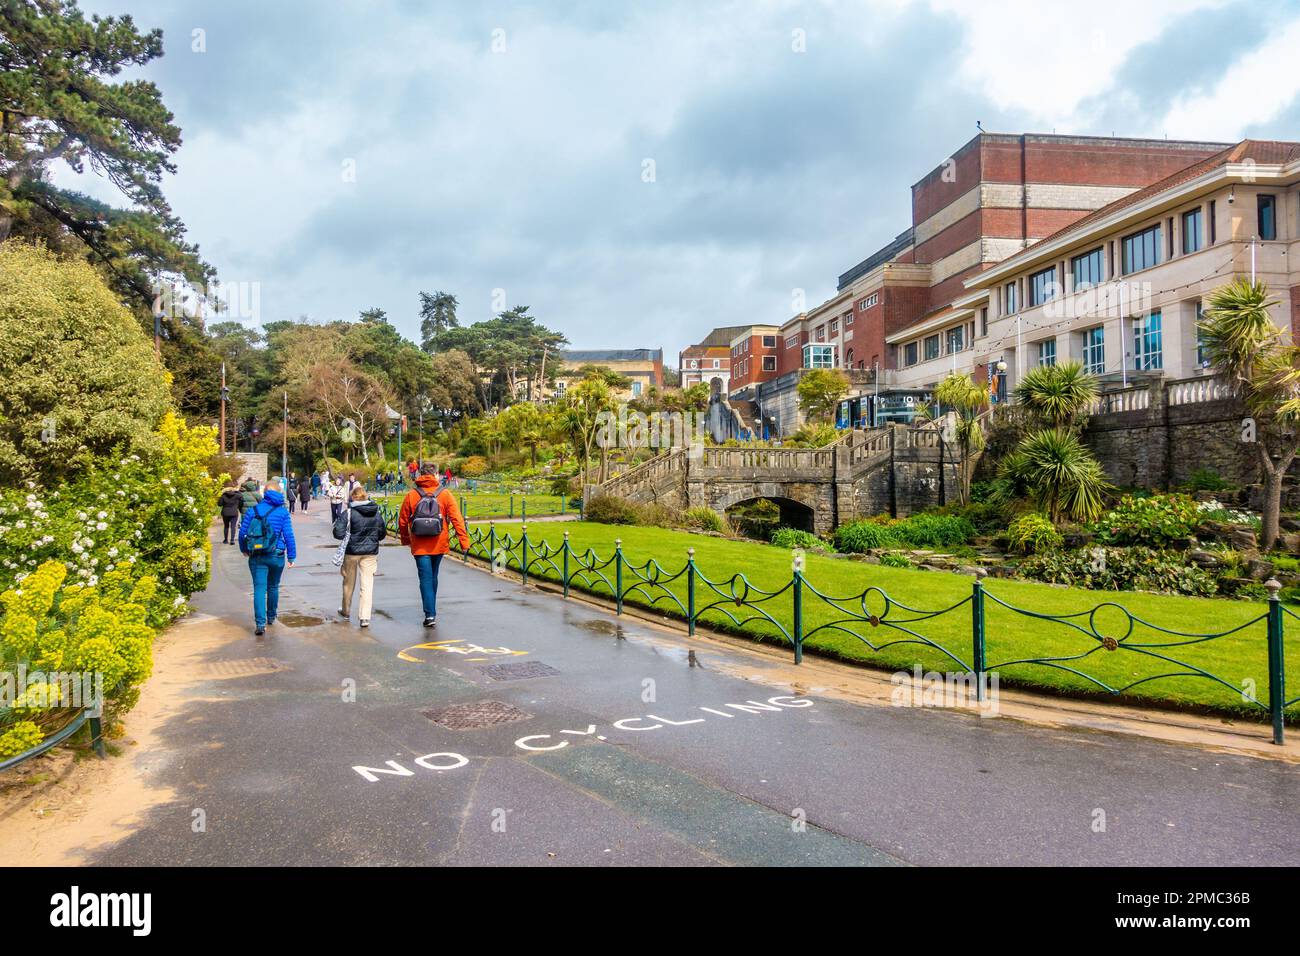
x=362, y=526
x=304, y=491
x=232, y=507
x=251, y=492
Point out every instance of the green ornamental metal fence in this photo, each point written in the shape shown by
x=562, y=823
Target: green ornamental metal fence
x=79, y=720
x=874, y=618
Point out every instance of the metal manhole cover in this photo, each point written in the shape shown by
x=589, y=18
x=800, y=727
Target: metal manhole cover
x=472, y=716
x=518, y=670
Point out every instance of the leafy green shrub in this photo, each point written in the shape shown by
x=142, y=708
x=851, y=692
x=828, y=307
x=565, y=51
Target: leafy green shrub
x=858, y=537
x=1121, y=569
x=930, y=530
x=1286, y=564
x=1206, y=479
x=610, y=509
x=1151, y=521
x=705, y=519
x=987, y=517
x=656, y=515
x=892, y=559
x=1033, y=533
x=791, y=538
x=81, y=380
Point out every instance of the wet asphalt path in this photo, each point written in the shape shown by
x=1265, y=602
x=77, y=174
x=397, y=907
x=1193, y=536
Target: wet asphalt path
x=638, y=758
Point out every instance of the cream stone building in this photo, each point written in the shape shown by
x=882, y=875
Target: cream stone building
x=1122, y=288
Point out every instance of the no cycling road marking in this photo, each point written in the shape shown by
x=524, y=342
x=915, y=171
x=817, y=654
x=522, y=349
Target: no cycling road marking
x=447, y=647
x=530, y=743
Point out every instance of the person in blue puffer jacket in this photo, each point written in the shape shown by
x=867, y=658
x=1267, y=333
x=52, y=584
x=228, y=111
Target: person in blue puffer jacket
x=268, y=554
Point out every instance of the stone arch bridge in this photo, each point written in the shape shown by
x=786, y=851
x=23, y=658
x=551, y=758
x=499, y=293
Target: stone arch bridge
x=894, y=470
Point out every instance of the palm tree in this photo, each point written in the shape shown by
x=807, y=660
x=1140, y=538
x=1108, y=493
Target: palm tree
x=1058, y=474
x=959, y=393
x=1057, y=395
x=1245, y=348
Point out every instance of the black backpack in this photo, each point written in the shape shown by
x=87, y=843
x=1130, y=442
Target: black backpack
x=426, y=520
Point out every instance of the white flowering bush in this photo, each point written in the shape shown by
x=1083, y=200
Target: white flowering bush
x=90, y=570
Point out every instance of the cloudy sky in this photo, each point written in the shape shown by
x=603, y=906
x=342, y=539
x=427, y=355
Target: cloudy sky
x=639, y=173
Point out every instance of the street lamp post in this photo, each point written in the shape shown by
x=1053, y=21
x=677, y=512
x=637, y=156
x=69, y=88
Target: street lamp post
x=284, y=442
x=225, y=397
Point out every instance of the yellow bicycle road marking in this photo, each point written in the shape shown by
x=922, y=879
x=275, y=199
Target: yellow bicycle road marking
x=446, y=646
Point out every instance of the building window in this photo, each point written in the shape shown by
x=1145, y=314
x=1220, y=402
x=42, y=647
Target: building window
x=769, y=341
x=1047, y=352
x=636, y=389
x=791, y=341
x=1009, y=299
x=1094, y=350
x=984, y=321
x=1192, y=231
x=848, y=359
x=909, y=354
x=717, y=363
x=835, y=326
x=819, y=356
x=1146, y=343
x=1268, y=217
x=821, y=333
x=560, y=386
x=769, y=363
x=932, y=347
x=956, y=339
x=1086, y=269
x=848, y=318
x=868, y=301
x=1042, y=286
x=1142, y=250
x=1214, y=229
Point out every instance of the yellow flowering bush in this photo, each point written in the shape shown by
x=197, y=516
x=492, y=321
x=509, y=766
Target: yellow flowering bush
x=90, y=571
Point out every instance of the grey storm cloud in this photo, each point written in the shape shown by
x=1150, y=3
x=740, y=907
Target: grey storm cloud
x=1188, y=57
x=479, y=168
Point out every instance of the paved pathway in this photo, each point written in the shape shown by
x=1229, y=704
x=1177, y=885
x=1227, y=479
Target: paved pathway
x=621, y=752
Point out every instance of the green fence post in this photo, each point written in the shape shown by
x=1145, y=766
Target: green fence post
x=464, y=508
x=492, y=544
x=618, y=574
x=797, y=599
x=565, y=549
x=512, y=506
x=523, y=564
x=977, y=631
x=97, y=732
x=523, y=507
x=690, y=591
x=1276, y=662
x=562, y=497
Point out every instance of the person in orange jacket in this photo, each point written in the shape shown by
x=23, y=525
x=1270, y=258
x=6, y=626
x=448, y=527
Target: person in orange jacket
x=429, y=549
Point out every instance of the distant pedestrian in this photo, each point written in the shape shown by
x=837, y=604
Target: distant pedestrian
x=361, y=527
x=338, y=499
x=291, y=491
x=304, y=491
x=251, y=492
x=424, y=524
x=232, y=506
x=266, y=537
x=315, y=484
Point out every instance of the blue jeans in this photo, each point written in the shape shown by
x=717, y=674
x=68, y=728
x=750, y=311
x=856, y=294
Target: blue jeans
x=426, y=565
x=266, y=570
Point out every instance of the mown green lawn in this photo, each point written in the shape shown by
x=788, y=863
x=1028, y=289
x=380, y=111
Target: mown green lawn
x=484, y=504
x=1010, y=636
